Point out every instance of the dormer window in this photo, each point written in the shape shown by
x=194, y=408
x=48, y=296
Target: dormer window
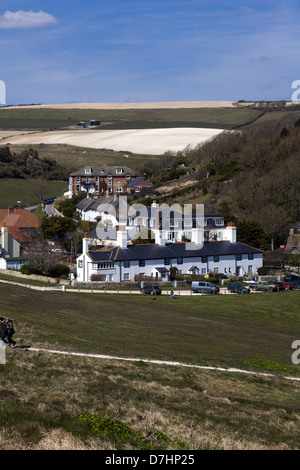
x=119, y=171
x=88, y=170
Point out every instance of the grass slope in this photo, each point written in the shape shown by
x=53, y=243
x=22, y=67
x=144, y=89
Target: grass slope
x=27, y=191
x=50, y=402
x=29, y=118
x=73, y=158
x=223, y=330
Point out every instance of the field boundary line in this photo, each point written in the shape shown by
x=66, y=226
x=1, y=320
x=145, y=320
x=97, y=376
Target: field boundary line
x=158, y=362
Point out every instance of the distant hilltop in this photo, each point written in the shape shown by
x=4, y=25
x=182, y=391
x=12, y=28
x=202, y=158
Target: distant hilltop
x=262, y=104
x=154, y=105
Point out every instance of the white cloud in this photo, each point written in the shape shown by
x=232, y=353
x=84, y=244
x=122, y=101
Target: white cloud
x=26, y=19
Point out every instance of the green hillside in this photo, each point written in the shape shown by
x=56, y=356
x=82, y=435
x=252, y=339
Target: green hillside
x=31, y=118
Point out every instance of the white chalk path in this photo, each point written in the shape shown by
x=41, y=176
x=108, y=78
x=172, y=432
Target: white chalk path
x=159, y=362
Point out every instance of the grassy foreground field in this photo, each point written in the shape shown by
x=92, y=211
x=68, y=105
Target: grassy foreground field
x=135, y=405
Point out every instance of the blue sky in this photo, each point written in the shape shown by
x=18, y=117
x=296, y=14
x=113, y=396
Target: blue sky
x=155, y=50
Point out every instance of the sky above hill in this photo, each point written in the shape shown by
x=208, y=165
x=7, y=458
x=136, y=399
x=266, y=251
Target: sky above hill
x=146, y=51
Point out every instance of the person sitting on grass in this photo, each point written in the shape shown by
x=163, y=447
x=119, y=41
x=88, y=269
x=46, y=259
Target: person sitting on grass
x=10, y=332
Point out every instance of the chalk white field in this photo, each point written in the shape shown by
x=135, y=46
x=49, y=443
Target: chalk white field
x=144, y=141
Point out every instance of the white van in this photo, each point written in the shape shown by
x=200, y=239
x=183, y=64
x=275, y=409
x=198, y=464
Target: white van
x=204, y=287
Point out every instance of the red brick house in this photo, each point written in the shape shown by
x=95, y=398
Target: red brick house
x=100, y=180
x=138, y=184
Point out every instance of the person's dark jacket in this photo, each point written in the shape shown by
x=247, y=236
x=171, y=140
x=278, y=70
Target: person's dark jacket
x=3, y=330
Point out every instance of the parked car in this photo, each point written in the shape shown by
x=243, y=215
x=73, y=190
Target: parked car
x=204, y=287
x=288, y=285
x=238, y=289
x=296, y=284
x=291, y=278
x=279, y=285
x=150, y=289
x=265, y=286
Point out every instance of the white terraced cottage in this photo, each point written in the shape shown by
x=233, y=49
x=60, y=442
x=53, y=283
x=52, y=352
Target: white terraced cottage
x=123, y=262
x=178, y=226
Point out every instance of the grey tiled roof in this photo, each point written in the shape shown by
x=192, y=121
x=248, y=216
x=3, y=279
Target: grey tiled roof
x=104, y=171
x=174, y=250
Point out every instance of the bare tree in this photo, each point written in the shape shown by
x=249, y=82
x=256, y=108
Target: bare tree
x=42, y=254
x=274, y=219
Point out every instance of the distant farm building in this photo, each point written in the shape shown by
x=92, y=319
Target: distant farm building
x=91, y=123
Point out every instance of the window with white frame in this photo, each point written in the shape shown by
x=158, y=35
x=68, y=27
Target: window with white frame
x=119, y=171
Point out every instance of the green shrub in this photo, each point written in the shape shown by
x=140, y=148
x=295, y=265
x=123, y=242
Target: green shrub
x=271, y=365
x=120, y=433
x=29, y=269
x=57, y=270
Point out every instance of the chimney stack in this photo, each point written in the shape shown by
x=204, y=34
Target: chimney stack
x=122, y=236
x=4, y=240
x=231, y=232
x=160, y=234
x=85, y=244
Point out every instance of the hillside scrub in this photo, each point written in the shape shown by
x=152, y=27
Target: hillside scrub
x=28, y=165
x=251, y=174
